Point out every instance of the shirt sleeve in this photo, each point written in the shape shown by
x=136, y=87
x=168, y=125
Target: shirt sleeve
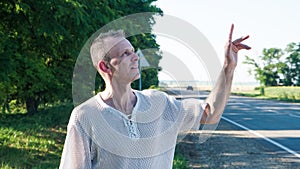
x=192, y=111
x=187, y=112
x=76, y=153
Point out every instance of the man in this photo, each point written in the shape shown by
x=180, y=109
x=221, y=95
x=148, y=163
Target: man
x=124, y=128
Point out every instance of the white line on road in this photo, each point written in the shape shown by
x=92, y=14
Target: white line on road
x=294, y=115
x=281, y=112
x=262, y=136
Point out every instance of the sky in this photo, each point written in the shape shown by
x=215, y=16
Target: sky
x=270, y=23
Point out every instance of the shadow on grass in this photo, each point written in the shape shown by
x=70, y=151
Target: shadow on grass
x=246, y=94
x=27, y=158
x=34, y=141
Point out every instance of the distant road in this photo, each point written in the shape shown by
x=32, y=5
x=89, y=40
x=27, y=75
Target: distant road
x=275, y=121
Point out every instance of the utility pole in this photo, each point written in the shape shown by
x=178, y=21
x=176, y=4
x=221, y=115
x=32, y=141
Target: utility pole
x=142, y=63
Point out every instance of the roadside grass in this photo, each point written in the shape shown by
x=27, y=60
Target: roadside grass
x=33, y=141
x=36, y=142
x=180, y=162
x=284, y=93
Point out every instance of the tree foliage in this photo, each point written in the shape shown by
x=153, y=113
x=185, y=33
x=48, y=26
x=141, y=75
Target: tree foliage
x=277, y=66
x=40, y=41
x=291, y=70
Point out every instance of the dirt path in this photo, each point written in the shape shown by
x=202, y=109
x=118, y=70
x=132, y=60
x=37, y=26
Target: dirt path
x=232, y=147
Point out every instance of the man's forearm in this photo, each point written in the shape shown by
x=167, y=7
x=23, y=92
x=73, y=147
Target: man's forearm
x=217, y=99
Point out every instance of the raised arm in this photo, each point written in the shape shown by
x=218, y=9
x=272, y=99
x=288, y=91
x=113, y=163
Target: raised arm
x=219, y=95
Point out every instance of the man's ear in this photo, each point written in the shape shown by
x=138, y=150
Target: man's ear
x=103, y=66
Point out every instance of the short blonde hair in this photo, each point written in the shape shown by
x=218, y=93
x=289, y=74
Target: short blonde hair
x=100, y=47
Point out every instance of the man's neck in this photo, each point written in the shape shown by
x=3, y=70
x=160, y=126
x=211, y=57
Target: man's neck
x=119, y=97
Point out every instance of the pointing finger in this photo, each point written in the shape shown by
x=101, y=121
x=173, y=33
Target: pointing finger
x=241, y=39
x=243, y=46
x=230, y=33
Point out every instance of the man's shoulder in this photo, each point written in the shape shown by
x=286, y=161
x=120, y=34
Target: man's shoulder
x=86, y=109
x=153, y=93
x=155, y=97
x=88, y=104
x=157, y=94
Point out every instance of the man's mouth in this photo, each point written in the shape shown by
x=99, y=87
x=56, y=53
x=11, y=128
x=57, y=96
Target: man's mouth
x=135, y=67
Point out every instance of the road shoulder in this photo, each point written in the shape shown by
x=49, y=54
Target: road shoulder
x=232, y=147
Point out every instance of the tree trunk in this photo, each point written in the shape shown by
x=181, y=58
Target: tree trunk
x=31, y=105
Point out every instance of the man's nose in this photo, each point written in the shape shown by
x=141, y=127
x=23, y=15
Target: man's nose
x=135, y=57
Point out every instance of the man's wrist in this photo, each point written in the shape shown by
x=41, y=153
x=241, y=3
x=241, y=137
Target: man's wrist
x=229, y=70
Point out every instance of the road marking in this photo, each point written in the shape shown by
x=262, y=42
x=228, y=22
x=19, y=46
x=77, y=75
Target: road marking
x=263, y=137
x=278, y=112
x=294, y=115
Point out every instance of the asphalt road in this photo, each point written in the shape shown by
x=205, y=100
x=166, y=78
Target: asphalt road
x=278, y=123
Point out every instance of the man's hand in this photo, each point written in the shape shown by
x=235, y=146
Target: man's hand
x=232, y=48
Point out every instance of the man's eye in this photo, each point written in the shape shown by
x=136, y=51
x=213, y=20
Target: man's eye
x=124, y=54
x=127, y=53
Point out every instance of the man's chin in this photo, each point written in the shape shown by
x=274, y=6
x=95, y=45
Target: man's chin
x=136, y=77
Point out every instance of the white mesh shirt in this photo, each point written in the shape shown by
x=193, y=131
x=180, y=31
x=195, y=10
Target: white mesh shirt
x=100, y=136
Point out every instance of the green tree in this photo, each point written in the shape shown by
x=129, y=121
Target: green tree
x=292, y=68
x=269, y=66
x=40, y=41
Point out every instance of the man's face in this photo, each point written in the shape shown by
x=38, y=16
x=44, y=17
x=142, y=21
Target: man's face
x=124, y=61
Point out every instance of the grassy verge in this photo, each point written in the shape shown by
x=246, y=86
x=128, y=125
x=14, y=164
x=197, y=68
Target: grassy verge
x=33, y=141
x=37, y=141
x=180, y=162
x=289, y=94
